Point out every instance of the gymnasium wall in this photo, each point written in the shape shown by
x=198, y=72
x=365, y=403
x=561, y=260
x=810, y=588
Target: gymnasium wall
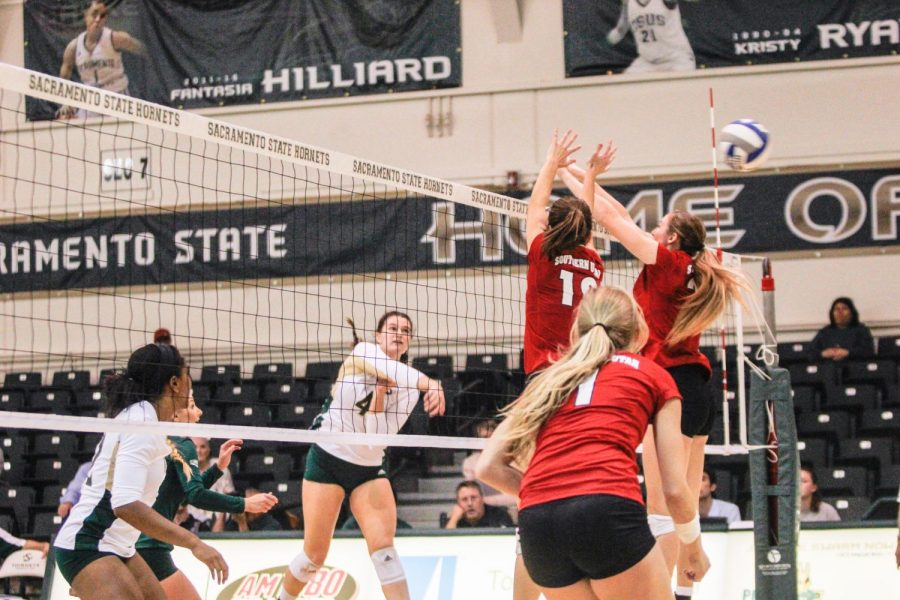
x=822, y=115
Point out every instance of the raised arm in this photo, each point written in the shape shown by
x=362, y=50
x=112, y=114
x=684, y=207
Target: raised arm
x=122, y=40
x=558, y=157
x=682, y=506
x=494, y=466
x=618, y=32
x=614, y=217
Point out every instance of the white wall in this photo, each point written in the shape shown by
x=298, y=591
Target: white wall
x=837, y=113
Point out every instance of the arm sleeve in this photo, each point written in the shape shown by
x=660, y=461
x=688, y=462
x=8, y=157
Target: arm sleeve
x=211, y=476
x=73, y=490
x=405, y=376
x=195, y=491
x=133, y=457
x=7, y=538
x=668, y=273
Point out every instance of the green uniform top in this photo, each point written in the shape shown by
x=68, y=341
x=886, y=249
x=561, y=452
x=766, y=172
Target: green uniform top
x=184, y=484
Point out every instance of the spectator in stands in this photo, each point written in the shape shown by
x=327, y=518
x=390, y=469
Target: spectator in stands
x=73, y=491
x=471, y=511
x=845, y=337
x=10, y=544
x=492, y=497
x=97, y=54
x=812, y=508
x=247, y=521
x=713, y=508
x=162, y=336
x=224, y=485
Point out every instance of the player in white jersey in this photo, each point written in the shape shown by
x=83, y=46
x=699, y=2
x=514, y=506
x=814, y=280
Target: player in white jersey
x=95, y=548
x=661, y=42
x=375, y=392
x=97, y=54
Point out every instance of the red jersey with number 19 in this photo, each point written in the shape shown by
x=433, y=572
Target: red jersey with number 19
x=590, y=445
x=555, y=288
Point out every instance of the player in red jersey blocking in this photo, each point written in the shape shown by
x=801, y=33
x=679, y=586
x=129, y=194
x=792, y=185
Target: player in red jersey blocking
x=682, y=289
x=576, y=428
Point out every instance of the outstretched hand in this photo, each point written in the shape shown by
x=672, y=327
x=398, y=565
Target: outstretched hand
x=600, y=160
x=225, y=452
x=560, y=152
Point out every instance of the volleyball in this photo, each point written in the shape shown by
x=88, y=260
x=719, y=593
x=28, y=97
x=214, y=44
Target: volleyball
x=745, y=144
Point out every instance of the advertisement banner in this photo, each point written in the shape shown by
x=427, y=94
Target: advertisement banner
x=463, y=567
x=196, y=54
x=763, y=214
x=651, y=36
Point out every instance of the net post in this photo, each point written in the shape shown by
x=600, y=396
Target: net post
x=768, y=295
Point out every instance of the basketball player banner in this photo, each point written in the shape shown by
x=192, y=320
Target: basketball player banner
x=762, y=214
x=646, y=36
x=193, y=54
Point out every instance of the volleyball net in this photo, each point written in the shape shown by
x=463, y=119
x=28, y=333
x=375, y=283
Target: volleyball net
x=255, y=252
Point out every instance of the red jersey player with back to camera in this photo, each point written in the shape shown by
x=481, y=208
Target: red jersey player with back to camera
x=682, y=289
x=562, y=262
x=576, y=428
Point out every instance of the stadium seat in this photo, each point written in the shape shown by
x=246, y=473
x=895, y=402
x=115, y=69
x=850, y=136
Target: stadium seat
x=8, y=523
x=26, y=382
x=298, y=416
x=889, y=481
x=58, y=444
x=850, y=397
x=89, y=401
x=877, y=372
x=88, y=445
x=832, y=426
x=104, y=374
x=55, y=469
x=320, y=390
x=804, y=398
x=437, y=367
x=816, y=374
x=870, y=452
x=883, y=509
x=44, y=525
x=220, y=374
x=879, y=422
x=273, y=373
x=814, y=452
x=72, y=380
x=12, y=401
x=726, y=485
x=288, y=392
x=842, y=481
x=202, y=394
x=256, y=416
x=322, y=371
x=51, y=494
x=17, y=500
x=287, y=491
x=891, y=396
x=793, y=352
x=851, y=508
x=49, y=401
x=267, y=466
x=889, y=347
x=243, y=394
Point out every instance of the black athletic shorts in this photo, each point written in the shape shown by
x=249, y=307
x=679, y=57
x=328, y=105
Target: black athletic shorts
x=584, y=537
x=160, y=562
x=698, y=409
x=323, y=467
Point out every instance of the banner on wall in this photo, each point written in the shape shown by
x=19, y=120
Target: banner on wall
x=650, y=36
x=762, y=214
x=196, y=54
x=481, y=566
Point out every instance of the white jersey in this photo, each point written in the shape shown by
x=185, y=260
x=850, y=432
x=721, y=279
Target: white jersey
x=126, y=468
x=724, y=510
x=348, y=408
x=102, y=67
x=659, y=35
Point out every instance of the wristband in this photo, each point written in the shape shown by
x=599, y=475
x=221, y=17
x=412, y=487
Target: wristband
x=690, y=531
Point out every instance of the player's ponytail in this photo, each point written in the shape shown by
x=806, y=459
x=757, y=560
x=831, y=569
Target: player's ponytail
x=715, y=285
x=150, y=368
x=569, y=225
x=353, y=332
x=608, y=320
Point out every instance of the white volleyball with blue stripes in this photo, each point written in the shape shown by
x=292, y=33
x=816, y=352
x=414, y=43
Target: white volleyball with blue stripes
x=745, y=144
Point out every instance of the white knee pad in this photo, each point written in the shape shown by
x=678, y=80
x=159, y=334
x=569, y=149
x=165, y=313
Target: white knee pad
x=302, y=568
x=660, y=525
x=388, y=566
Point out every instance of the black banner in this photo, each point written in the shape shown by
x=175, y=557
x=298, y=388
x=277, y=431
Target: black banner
x=195, y=53
x=760, y=214
x=644, y=36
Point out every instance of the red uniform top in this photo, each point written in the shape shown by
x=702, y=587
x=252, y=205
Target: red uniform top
x=590, y=445
x=660, y=291
x=555, y=288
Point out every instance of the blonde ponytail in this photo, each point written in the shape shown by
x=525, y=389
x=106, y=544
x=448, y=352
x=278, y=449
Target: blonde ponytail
x=608, y=320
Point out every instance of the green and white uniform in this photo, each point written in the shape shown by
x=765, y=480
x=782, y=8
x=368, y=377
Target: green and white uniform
x=126, y=468
x=183, y=484
x=9, y=544
x=347, y=410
